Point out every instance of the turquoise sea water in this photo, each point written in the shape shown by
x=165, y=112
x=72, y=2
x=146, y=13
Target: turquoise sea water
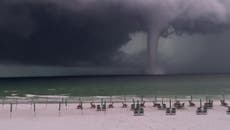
x=118, y=85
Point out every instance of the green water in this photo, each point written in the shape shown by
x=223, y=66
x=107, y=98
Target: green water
x=124, y=85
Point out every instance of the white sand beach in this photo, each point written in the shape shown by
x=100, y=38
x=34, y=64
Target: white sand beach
x=47, y=117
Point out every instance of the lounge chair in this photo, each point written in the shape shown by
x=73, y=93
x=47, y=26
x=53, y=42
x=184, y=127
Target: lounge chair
x=79, y=106
x=143, y=104
x=161, y=107
x=104, y=107
x=124, y=105
x=228, y=111
x=204, y=110
x=191, y=104
x=168, y=111
x=156, y=104
x=179, y=105
x=142, y=111
x=111, y=105
x=208, y=105
x=164, y=106
x=93, y=106
x=223, y=103
x=139, y=112
x=198, y=110
x=201, y=111
x=132, y=106
x=136, y=111
x=173, y=111
x=98, y=108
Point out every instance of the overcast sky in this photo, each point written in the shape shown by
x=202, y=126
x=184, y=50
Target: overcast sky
x=77, y=37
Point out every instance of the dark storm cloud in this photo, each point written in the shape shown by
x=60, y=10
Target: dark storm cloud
x=48, y=34
x=92, y=31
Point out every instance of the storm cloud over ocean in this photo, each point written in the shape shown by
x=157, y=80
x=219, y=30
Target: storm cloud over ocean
x=173, y=36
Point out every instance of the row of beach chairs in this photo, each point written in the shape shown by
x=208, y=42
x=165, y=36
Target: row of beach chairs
x=138, y=108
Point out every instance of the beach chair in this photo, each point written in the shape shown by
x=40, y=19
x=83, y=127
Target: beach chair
x=228, y=110
x=205, y=110
x=208, y=105
x=191, y=104
x=132, y=106
x=79, y=106
x=173, y=112
x=178, y=105
x=168, y=111
x=223, y=103
x=124, y=105
x=159, y=106
x=199, y=111
x=103, y=107
x=156, y=104
x=98, y=107
x=111, y=105
x=93, y=106
x=141, y=111
x=162, y=107
x=143, y=104
x=181, y=106
x=136, y=112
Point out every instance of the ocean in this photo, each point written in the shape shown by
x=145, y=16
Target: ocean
x=172, y=85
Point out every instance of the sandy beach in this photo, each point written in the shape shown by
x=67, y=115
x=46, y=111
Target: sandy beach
x=48, y=117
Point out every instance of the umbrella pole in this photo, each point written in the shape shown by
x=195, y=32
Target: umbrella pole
x=11, y=110
x=170, y=103
x=200, y=103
